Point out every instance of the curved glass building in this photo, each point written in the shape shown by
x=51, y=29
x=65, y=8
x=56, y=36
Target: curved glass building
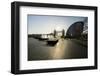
x=75, y=29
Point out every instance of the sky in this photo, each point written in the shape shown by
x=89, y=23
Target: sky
x=44, y=24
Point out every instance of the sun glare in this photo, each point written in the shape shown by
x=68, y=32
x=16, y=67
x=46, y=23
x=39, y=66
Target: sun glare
x=58, y=28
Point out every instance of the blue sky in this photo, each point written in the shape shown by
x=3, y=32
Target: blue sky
x=43, y=24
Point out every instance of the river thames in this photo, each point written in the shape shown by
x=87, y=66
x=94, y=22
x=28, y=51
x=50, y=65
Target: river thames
x=64, y=49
